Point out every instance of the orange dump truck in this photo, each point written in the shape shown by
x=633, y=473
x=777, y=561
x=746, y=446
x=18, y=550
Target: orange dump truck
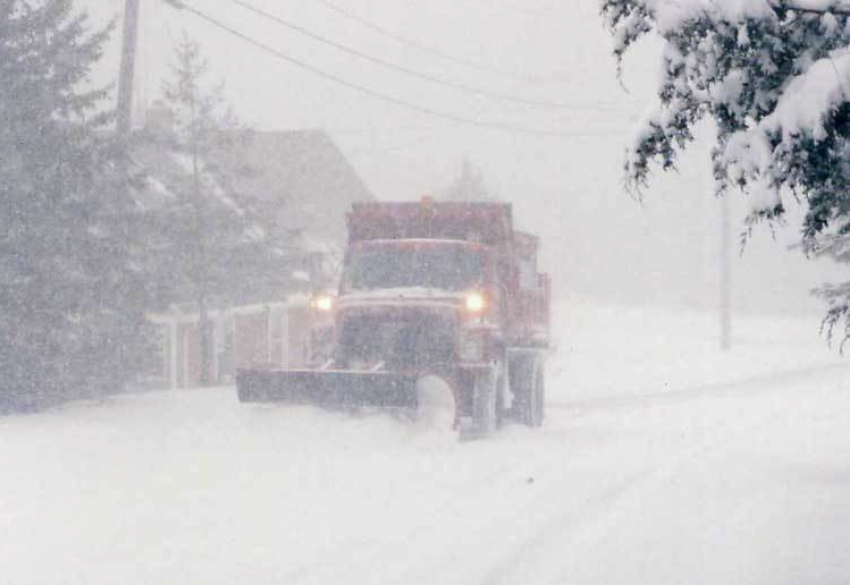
x=445, y=289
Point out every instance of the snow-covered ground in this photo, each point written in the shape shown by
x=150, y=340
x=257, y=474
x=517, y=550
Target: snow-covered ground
x=662, y=461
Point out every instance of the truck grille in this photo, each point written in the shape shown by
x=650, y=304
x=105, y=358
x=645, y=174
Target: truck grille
x=417, y=342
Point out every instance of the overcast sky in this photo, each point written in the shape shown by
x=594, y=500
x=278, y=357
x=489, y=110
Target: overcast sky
x=565, y=47
x=566, y=187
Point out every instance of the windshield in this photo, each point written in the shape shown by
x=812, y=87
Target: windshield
x=451, y=267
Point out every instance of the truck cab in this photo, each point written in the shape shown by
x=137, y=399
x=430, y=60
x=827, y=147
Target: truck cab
x=447, y=289
x=417, y=304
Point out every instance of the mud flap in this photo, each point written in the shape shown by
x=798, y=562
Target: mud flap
x=483, y=421
x=329, y=388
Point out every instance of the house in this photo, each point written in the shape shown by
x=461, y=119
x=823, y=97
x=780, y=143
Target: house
x=277, y=334
x=310, y=184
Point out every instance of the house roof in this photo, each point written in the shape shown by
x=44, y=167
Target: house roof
x=302, y=169
x=311, y=178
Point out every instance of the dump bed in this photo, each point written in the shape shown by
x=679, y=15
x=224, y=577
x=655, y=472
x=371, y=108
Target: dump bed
x=487, y=223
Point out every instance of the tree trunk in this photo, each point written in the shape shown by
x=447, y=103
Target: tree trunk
x=204, y=325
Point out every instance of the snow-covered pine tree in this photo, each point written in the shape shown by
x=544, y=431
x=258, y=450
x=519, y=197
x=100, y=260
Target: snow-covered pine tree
x=214, y=240
x=71, y=293
x=775, y=77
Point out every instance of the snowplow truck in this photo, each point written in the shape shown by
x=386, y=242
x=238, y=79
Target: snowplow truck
x=445, y=289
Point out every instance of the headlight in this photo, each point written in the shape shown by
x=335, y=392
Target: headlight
x=475, y=302
x=323, y=303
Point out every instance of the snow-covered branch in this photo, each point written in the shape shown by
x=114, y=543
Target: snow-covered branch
x=775, y=77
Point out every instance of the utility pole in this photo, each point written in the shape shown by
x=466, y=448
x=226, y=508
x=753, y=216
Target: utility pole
x=125, y=98
x=128, y=68
x=725, y=273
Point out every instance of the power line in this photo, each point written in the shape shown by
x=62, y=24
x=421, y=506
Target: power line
x=456, y=85
x=422, y=138
x=434, y=132
x=426, y=138
x=179, y=4
x=433, y=51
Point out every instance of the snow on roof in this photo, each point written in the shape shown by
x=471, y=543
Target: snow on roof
x=208, y=180
x=310, y=177
x=300, y=173
x=302, y=169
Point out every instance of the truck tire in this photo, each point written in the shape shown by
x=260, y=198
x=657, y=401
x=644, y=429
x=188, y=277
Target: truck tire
x=538, y=401
x=247, y=384
x=502, y=379
x=528, y=385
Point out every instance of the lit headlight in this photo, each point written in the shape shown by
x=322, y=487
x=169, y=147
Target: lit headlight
x=475, y=302
x=322, y=303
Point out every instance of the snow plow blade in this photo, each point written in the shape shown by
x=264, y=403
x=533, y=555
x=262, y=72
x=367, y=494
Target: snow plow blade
x=329, y=388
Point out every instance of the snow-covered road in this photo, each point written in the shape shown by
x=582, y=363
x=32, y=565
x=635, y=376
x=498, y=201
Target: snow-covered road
x=662, y=461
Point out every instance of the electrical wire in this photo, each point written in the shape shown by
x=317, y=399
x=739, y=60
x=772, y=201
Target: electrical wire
x=456, y=85
x=433, y=51
x=422, y=138
x=181, y=5
x=434, y=133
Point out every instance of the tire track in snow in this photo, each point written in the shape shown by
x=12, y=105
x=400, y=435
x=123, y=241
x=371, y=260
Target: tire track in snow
x=367, y=553
x=440, y=563
x=459, y=558
x=569, y=520
x=631, y=496
x=434, y=532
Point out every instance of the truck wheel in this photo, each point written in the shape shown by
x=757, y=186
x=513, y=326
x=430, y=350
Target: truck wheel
x=538, y=398
x=502, y=382
x=247, y=384
x=485, y=403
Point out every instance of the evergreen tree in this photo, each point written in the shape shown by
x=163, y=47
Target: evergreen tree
x=215, y=242
x=468, y=185
x=71, y=289
x=774, y=76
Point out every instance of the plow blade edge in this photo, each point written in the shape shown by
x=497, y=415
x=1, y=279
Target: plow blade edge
x=329, y=388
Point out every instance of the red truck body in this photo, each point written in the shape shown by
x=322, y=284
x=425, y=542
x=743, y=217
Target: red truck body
x=447, y=289
x=526, y=292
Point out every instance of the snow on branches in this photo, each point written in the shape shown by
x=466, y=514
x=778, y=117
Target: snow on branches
x=775, y=77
